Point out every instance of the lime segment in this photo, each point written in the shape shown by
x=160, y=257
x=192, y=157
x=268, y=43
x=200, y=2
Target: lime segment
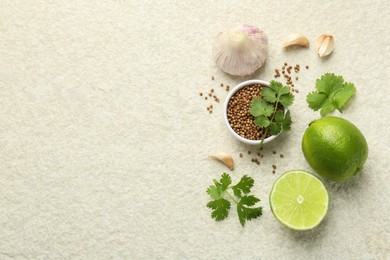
x=299, y=200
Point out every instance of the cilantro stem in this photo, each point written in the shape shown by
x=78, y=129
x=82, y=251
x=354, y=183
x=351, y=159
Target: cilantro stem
x=231, y=197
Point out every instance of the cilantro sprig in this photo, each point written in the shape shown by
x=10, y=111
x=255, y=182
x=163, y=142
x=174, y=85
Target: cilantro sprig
x=220, y=205
x=268, y=110
x=332, y=93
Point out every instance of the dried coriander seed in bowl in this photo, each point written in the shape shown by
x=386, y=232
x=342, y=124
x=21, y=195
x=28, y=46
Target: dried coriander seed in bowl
x=238, y=120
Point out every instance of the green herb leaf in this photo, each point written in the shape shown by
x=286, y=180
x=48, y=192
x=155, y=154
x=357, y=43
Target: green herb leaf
x=225, y=181
x=260, y=107
x=246, y=213
x=249, y=200
x=287, y=100
x=220, y=208
x=275, y=128
x=269, y=95
x=286, y=124
x=316, y=100
x=332, y=93
x=214, y=192
x=279, y=117
x=342, y=96
x=262, y=121
x=279, y=88
x=244, y=186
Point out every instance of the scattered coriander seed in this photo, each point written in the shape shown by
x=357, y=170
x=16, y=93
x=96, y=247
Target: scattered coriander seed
x=296, y=78
x=211, y=106
x=281, y=155
x=252, y=160
x=274, y=152
x=273, y=166
x=258, y=154
x=261, y=155
x=285, y=64
x=241, y=155
x=273, y=172
x=249, y=152
x=212, y=77
x=221, y=84
x=200, y=94
x=210, y=94
x=210, y=111
x=261, y=148
x=205, y=98
x=296, y=91
x=307, y=67
x=212, y=90
x=257, y=162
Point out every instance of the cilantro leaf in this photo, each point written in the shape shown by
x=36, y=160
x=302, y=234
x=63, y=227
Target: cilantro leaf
x=262, y=121
x=244, y=186
x=286, y=99
x=327, y=108
x=275, y=128
x=342, y=96
x=214, y=192
x=220, y=208
x=286, y=124
x=225, y=181
x=279, y=88
x=260, y=107
x=316, y=100
x=279, y=117
x=269, y=95
x=246, y=213
x=329, y=82
x=332, y=93
x=249, y=200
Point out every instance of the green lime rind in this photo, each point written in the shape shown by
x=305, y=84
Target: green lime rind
x=335, y=148
x=290, y=194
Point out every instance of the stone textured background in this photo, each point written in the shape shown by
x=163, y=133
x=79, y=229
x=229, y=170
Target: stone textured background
x=104, y=137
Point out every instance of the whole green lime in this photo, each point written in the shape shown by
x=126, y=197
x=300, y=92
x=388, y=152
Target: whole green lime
x=334, y=148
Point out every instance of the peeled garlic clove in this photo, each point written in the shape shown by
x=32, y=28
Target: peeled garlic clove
x=225, y=158
x=296, y=40
x=324, y=44
x=240, y=50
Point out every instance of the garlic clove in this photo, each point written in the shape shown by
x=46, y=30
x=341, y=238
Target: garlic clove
x=324, y=44
x=296, y=40
x=225, y=158
x=240, y=50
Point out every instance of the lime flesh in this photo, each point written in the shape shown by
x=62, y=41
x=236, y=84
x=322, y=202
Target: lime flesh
x=299, y=200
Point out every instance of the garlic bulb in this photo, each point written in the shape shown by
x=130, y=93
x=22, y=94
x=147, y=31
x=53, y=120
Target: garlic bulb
x=225, y=158
x=240, y=50
x=296, y=40
x=324, y=44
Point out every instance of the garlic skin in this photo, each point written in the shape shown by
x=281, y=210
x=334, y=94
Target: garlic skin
x=240, y=50
x=324, y=44
x=225, y=158
x=296, y=40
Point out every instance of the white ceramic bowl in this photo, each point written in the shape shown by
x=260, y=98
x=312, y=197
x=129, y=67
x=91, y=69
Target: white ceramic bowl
x=231, y=93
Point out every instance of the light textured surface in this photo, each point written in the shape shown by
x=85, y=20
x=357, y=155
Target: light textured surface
x=103, y=135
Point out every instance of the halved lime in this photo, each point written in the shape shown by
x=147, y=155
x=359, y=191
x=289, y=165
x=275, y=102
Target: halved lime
x=299, y=200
